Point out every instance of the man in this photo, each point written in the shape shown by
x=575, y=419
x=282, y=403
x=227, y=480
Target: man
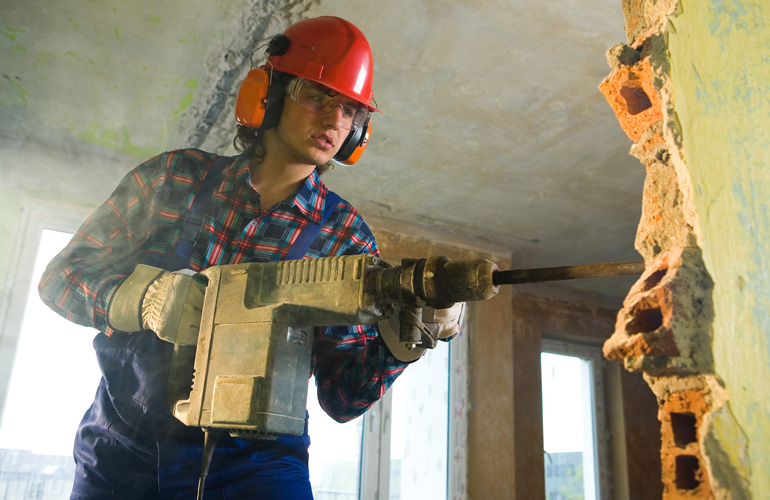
x=187, y=210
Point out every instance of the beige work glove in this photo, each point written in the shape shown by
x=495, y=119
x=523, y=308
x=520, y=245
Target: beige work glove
x=440, y=323
x=167, y=303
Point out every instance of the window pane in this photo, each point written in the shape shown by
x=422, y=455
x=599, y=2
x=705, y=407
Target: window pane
x=335, y=452
x=52, y=384
x=568, y=428
x=419, y=440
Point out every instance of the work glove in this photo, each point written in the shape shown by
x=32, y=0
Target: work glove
x=437, y=324
x=168, y=303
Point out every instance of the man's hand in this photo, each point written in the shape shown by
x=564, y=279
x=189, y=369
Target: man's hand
x=441, y=324
x=444, y=322
x=153, y=299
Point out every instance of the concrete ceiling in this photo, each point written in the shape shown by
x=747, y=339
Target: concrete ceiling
x=493, y=130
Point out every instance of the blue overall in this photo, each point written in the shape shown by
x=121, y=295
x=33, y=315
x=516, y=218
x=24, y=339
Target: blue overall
x=130, y=446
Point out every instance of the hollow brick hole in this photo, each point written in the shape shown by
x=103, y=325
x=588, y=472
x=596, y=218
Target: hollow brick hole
x=687, y=472
x=654, y=278
x=636, y=98
x=645, y=321
x=684, y=429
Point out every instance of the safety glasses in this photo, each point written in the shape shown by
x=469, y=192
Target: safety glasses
x=322, y=100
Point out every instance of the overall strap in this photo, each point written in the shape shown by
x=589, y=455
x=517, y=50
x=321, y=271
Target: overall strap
x=306, y=237
x=193, y=222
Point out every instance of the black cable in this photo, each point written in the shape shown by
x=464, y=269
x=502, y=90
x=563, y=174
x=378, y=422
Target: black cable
x=210, y=439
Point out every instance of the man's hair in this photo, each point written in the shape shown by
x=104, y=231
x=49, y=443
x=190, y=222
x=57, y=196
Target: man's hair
x=250, y=138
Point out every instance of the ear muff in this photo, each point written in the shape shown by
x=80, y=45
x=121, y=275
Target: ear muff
x=354, y=144
x=259, y=102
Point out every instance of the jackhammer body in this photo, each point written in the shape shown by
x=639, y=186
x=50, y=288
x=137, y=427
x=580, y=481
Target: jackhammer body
x=252, y=361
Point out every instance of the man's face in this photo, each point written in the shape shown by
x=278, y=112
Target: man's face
x=313, y=127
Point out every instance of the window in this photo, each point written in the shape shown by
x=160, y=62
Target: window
x=401, y=448
x=52, y=382
x=335, y=452
x=573, y=420
x=419, y=429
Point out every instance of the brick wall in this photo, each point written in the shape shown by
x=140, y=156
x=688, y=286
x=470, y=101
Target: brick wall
x=664, y=329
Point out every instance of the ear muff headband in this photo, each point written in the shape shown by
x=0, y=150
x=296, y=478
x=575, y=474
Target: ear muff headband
x=260, y=101
x=354, y=144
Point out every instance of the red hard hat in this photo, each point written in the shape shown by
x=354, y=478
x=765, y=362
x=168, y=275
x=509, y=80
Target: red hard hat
x=330, y=51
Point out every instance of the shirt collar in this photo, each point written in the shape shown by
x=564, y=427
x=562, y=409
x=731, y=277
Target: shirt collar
x=237, y=174
x=309, y=198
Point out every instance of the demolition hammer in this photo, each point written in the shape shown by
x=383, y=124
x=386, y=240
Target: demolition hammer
x=248, y=373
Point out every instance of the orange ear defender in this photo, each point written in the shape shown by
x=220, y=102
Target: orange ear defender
x=259, y=104
x=354, y=144
x=251, y=103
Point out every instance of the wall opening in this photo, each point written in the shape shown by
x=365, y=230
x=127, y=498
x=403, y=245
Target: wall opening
x=686, y=472
x=683, y=426
x=645, y=321
x=636, y=98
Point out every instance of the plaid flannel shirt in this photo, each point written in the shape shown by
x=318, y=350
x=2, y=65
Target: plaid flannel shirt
x=352, y=365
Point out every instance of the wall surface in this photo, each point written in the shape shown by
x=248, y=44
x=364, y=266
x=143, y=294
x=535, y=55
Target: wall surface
x=720, y=71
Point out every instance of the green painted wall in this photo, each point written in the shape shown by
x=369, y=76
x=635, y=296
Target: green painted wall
x=720, y=70
x=82, y=68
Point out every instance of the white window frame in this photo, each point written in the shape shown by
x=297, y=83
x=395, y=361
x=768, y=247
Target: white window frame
x=375, y=450
x=375, y=454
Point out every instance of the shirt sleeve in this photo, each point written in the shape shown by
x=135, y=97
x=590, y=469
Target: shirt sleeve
x=353, y=366
x=80, y=281
x=353, y=370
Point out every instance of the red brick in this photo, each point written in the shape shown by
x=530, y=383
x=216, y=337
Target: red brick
x=632, y=96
